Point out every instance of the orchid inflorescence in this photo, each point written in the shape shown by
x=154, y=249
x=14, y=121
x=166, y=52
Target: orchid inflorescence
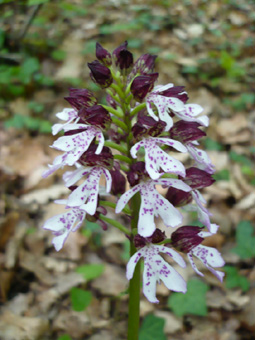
x=129, y=141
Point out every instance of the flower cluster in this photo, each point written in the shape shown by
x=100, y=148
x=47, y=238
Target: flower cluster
x=129, y=141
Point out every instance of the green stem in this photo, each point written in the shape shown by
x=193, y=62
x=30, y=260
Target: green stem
x=119, y=123
x=112, y=205
x=116, y=146
x=123, y=158
x=113, y=111
x=138, y=108
x=134, y=285
x=118, y=90
x=115, y=224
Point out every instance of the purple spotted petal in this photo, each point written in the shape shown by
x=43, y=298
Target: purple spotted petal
x=61, y=225
x=75, y=145
x=68, y=115
x=156, y=158
x=123, y=200
x=211, y=258
x=200, y=156
x=86, y=195
x=156, y=269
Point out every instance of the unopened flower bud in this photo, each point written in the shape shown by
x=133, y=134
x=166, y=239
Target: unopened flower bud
x=95, y=115
x=141, y=85
x=178, y=197
x=186, y=238
x=111, y=101
x=90, y=158
x=186, y=131
x=145, y=64
x=103, y=55
x=100, y=74
x=80, y=98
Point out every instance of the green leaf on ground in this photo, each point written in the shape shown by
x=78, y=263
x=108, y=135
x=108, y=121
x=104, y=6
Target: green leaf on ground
x=234, y=279
x=222, y=175
x=245, y=239
x=152, y=328
x=64, y=337
x=193, y=302
x=80, y=299
x=91, y=271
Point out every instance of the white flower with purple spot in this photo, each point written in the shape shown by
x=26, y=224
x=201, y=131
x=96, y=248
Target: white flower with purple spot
x=187, y=112
x=153, y=204
x=61, y=225
x=156, y=158
x=209, y=256
x=74, y=145
x=201, y=157
x=85, y=196
x=156, y=269
x=69, y=115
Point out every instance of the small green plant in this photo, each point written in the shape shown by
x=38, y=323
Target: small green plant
x=235, y=280
x=193, y=302
x=80, y=299
x=152, y=328
x=245, y=240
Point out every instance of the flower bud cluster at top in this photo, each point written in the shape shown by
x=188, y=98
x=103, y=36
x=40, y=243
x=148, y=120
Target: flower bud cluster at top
x=129, y=141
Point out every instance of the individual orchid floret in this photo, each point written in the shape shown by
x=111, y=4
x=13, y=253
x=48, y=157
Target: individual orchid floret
x=188, y=239
x=142, y=85
x=153, y=204
x=95, y=115
x=100, y=74
x=156, y=269
x=80, y=98
x=103, y=55
x=166, y=103
x=118, y=180
x=156, y=158
x=76, y=144
x=61, y=225
x=85, y=196
x=147, y=126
